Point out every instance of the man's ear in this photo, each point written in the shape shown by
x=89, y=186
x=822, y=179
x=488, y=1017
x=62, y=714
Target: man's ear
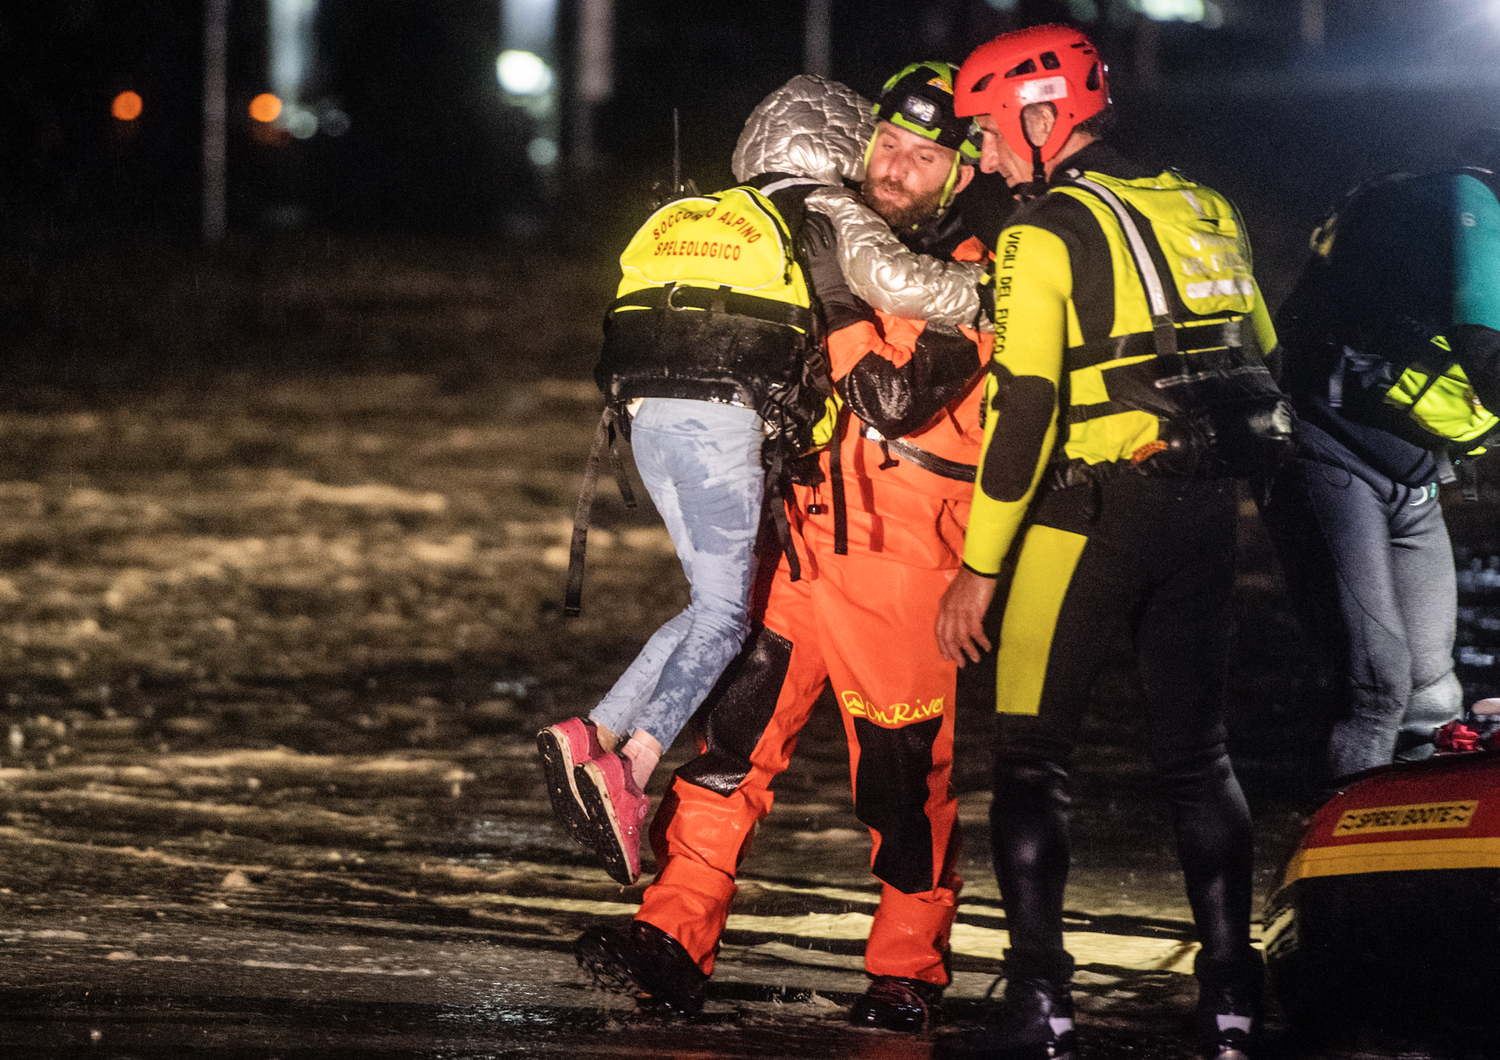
x=965, y=174
x=1038, y=121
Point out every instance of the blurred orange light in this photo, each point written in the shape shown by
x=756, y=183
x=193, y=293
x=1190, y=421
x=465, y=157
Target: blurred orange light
x=265, y=107
x=127, y=106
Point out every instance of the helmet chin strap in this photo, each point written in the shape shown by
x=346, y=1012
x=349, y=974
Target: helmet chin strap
x=947, y=198
x=1038, y=185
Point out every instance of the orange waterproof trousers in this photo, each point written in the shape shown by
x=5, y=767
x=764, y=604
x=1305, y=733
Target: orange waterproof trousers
x=864, y=622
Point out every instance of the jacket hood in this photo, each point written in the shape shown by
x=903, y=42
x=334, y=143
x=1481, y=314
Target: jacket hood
x=809, y=127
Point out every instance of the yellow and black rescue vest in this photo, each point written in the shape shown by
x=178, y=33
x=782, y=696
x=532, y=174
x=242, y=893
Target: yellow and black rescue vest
x=1437, y=398
x=1178, y=386
x=1428, y=401
x=712, y=305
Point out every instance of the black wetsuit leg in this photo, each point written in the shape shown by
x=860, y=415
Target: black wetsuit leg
x=1157, y=568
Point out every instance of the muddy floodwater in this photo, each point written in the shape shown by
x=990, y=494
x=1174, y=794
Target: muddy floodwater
x=275, y=639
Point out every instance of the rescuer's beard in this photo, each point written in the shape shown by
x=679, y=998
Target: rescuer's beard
x=900, y=209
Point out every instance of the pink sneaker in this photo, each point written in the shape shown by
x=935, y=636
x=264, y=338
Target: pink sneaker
x=564, y=747
x=617, y=814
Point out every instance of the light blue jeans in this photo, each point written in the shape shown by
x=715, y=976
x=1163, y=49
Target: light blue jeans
x=700, y=461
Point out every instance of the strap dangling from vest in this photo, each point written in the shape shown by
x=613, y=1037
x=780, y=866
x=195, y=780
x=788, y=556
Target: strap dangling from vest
x=836, y=474
x=779, y=490
x=1095, y=506
x=604, y=438
x=1336, y=379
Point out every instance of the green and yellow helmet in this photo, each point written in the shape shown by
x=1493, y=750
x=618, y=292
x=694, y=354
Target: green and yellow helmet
x=919, y=99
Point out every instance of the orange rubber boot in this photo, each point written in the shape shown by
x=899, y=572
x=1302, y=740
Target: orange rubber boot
x=909, y=937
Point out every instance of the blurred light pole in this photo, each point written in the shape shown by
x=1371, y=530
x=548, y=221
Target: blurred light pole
x=292, y=48
x=526, y=69
x=594, y=82
x=817, y=57
x=215, y=45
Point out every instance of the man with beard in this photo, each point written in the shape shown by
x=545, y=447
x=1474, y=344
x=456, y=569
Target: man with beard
x=879, y=515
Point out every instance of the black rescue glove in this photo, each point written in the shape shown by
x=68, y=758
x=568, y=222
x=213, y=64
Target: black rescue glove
x=819, y=247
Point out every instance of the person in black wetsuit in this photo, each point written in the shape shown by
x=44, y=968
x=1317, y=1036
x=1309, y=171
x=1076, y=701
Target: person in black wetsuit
x=1391, y=355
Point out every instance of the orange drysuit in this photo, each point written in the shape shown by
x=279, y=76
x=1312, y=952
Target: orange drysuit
x=863, y=620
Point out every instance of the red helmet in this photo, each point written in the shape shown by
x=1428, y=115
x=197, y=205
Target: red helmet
x=1044, y=64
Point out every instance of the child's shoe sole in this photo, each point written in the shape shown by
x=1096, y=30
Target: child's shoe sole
x=615, y=839
x=558, y=766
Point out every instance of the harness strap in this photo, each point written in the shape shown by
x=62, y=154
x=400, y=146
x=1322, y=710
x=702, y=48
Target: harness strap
x=604, y=438
x=717, y=299
x=779, y=488
x=1225, y=334
x=1432, y=377
x=1131, y=389
x=930, y=462
x=1077, y=473
x=836, y=474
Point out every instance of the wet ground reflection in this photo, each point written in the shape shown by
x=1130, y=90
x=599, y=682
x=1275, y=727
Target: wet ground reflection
x=268, y=782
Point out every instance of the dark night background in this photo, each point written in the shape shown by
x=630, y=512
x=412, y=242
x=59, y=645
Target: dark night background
x=105, y=281
x=432, y=144
x=98, y=216
x=284, y=516
x=423, y=240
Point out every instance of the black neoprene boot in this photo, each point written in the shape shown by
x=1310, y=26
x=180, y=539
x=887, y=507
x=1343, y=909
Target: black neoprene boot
x=642, y=960
x=1035, y=1018
x=1230, y=997
x=896, y=1003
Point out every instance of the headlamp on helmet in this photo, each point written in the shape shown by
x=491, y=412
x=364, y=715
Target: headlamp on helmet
x=919, y=99
x=922, y=111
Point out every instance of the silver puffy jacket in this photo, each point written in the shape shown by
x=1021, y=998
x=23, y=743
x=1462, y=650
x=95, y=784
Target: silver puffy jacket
x=818, y=129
